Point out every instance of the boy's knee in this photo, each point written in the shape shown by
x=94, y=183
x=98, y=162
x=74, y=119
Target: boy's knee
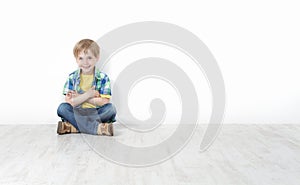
x=108, y=112
x=112, y=110
x=62, y=108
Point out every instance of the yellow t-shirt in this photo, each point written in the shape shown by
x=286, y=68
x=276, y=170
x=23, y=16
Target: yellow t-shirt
x=86, y=82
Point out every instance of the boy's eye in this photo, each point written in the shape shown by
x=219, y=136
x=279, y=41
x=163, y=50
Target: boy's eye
x=80, y=58
x=89, y=58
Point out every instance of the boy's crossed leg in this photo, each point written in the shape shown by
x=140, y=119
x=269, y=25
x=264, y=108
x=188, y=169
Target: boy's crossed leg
x=91, y=121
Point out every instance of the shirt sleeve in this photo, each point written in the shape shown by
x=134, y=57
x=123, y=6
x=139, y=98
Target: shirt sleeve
x=68, y=86
x=105, y=88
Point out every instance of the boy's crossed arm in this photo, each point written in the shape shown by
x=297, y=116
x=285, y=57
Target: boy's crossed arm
x=91, y=96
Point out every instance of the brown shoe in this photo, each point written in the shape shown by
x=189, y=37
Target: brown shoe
x=105, y=129
x=65, y=128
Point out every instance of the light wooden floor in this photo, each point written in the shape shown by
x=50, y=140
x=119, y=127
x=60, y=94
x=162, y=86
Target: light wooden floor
x=242, y=154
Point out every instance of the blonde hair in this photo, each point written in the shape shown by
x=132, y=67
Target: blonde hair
x=85, y=45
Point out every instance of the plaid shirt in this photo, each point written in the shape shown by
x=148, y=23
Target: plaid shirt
x=101, y=83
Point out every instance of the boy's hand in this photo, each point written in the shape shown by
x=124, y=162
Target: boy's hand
x=72, y=94
x=97, y=94
x=92, y=92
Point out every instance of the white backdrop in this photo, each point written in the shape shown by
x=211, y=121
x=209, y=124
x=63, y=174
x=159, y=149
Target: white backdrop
x=256, y=44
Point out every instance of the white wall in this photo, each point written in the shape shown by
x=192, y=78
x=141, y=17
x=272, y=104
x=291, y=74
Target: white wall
x=256, y=44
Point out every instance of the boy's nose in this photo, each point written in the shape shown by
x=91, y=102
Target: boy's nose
x=85, y=61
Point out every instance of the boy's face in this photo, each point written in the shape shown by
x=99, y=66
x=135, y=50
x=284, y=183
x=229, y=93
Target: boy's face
x=86, y=62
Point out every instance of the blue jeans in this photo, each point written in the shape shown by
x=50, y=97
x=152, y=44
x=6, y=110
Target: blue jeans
x=87, y=120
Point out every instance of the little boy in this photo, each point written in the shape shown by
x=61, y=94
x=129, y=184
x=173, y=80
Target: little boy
x=87, y=95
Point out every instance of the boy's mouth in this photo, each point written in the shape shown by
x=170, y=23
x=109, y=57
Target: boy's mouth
x=86, y=67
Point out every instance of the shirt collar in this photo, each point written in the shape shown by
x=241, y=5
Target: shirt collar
x=96, y=74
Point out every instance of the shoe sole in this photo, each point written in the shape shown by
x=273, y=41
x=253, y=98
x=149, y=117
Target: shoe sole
x=111, y=129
